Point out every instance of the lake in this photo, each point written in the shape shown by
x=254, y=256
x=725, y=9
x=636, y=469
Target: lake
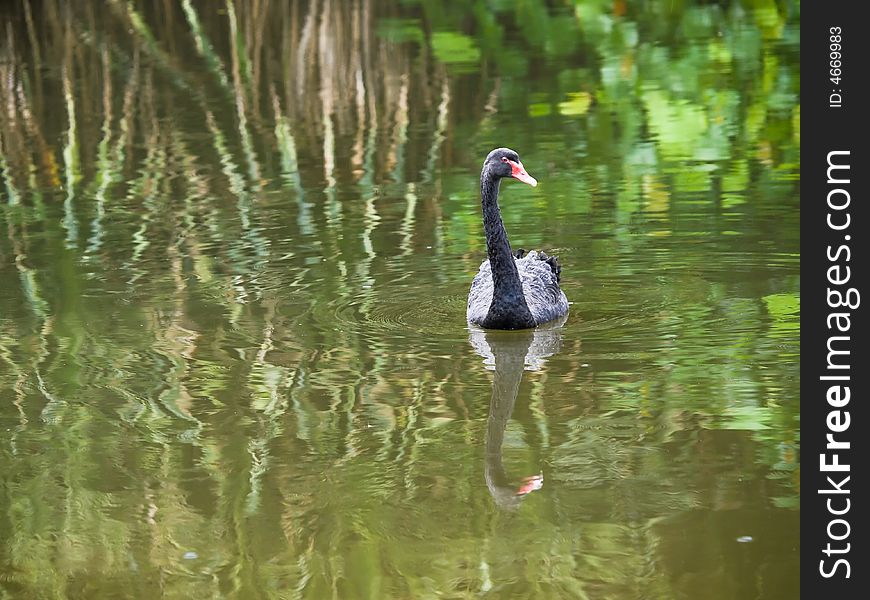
x=237, y=242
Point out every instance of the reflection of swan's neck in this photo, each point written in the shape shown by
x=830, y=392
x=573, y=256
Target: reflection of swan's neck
x=505, y=277
x=505, y=385
x=509, y=352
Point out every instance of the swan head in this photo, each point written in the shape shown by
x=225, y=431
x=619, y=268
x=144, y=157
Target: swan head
x=504, y=162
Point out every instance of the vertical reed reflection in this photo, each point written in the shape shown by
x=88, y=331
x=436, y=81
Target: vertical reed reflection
x=165, y=144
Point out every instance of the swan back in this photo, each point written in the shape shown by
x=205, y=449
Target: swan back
x=544, y=297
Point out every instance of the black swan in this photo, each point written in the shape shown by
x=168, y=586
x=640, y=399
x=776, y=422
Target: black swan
x=511, y=291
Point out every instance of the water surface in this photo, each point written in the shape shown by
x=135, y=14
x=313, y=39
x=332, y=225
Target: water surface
x=236, y=245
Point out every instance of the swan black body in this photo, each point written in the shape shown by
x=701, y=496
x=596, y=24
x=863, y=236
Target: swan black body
x=511, y=291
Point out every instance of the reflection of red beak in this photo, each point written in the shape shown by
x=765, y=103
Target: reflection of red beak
x=519, y=173
x=535, y=482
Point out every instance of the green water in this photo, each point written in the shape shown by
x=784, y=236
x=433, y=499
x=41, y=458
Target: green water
x=235, y=245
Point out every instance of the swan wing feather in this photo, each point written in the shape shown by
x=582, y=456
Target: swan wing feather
x=539, y=274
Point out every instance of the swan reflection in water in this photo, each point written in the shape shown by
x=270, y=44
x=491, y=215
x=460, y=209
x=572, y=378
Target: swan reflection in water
x=508, y=354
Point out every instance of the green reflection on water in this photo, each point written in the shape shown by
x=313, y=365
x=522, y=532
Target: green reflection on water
x=236, y=246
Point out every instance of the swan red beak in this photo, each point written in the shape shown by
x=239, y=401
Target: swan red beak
x=518, y=172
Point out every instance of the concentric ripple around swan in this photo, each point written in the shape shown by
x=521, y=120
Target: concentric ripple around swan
x=392, y=313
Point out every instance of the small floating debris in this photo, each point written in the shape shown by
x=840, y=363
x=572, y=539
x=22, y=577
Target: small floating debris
x=745, y=539
x=190, y=555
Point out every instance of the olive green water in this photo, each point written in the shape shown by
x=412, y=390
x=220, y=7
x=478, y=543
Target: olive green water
x=235, y=245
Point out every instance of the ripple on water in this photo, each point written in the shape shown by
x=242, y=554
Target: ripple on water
x=392, y=315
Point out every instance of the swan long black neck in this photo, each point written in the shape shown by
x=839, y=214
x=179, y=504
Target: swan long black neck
x=508, y=309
